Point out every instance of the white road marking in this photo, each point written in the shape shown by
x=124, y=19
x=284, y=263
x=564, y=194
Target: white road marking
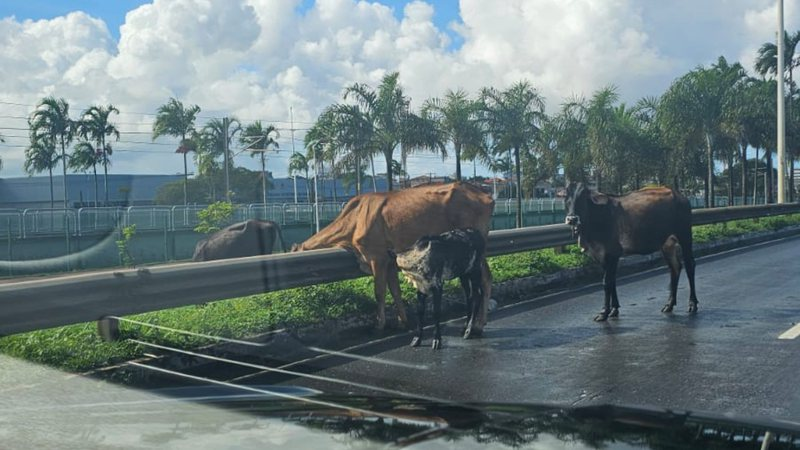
x=791, y=333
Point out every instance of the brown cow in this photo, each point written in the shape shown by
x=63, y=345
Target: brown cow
x=372, y=224
x=641, y=222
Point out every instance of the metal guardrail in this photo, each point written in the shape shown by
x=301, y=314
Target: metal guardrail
x=62, y=300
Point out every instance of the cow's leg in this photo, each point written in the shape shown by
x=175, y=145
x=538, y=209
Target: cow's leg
x=393, y=280
x=688, y=260
x=474, y=304
x=379, y=273
x=609, y=287
x=486, y=291
x=466, y=286
x=670, y=251
x=417, y=340
x=437, y=318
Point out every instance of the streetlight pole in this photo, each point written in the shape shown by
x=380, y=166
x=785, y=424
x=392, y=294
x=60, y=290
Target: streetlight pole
x=225, y=125
x=781, y=113
x=294, y=177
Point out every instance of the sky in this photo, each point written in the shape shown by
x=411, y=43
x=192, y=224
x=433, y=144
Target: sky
x=284, y=61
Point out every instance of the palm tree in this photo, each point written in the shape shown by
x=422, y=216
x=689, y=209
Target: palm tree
x=354, y=139
x=512, y=118
x=95, y=125
x=457, y=118
x=767, y=63
x=85, y=156
x=41, y=155
x=51, y=121
x=172, y=119
x=258, y=139
x=299, y=163
x=386, y=111
x=693, y=111
x=215, y=137
x=567, y=132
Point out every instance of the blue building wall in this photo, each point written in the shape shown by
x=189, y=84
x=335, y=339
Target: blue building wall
x=136, y=190
x=282, y=190
x=123, y=190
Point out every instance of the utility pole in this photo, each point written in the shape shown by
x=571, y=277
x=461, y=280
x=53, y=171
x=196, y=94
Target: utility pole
x=226, y=159
x=781, y=114
x=294, y=177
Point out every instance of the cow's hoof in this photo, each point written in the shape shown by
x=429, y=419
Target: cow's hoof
x=473, y=332
x=602, y=317
x=437, y=344
x=614, y=313
x=416, y=341
x=693, y=308
x=667, y=308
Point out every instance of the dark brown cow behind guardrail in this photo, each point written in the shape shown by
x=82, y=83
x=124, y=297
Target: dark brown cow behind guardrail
x=372, y=224
x=249, y=238
x=641, y=222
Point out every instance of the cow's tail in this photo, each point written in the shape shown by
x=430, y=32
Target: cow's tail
x=279, y=234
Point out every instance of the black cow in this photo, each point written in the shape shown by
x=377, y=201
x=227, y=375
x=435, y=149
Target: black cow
x=431, y=261
x=641, y=222
x=249, y=238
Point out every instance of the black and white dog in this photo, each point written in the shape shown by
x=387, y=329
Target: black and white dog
x=431, y=261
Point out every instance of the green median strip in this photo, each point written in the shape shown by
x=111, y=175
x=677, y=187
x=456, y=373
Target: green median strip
x=77, y=348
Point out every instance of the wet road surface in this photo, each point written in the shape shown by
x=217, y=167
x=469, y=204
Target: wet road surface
x=727, y=358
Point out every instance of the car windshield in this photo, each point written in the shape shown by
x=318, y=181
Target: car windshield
x=528, y=223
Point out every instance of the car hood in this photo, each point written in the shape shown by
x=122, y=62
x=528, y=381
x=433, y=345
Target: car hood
x=45, y=408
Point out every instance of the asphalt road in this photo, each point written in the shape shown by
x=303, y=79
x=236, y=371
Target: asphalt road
x=728, y=358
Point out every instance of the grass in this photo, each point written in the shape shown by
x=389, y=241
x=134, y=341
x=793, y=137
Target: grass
x=77, y=348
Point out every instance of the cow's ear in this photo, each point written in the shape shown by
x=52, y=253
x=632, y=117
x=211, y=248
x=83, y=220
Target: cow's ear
x=598, y=198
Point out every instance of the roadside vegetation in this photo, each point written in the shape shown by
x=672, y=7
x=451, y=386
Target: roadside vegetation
x=77, y=348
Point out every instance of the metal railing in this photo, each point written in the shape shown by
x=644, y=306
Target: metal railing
x=38, y=222
x=63, y=300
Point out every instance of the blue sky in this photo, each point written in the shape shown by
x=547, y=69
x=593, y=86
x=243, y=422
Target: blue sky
x=113, y=11
x=260, y=64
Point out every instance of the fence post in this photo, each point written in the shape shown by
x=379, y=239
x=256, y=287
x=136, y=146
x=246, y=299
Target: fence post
x=10, y=251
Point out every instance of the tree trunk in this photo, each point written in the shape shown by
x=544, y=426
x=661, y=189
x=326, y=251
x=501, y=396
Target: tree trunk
x=372, y=164
x=710, y=175
x=730, y=180
x=389, y=181
x=519, y=197
x=743, y=159
x=755, y=178
x=358, y=175
x=458, y=160
x=770, y=182
x=185, y=181
x=52, y=196
x=94, y=169
x=105, y=169
x=333, y=179
x=308, y=187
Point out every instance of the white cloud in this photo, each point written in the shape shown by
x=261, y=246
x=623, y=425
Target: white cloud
x=257, y=58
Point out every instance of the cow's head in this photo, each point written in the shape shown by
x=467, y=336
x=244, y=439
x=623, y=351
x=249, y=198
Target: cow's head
x=297, y=247
x=415, y=259
x=578, y=204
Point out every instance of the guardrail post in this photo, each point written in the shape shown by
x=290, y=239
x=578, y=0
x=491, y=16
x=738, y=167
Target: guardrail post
x=108, y=328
